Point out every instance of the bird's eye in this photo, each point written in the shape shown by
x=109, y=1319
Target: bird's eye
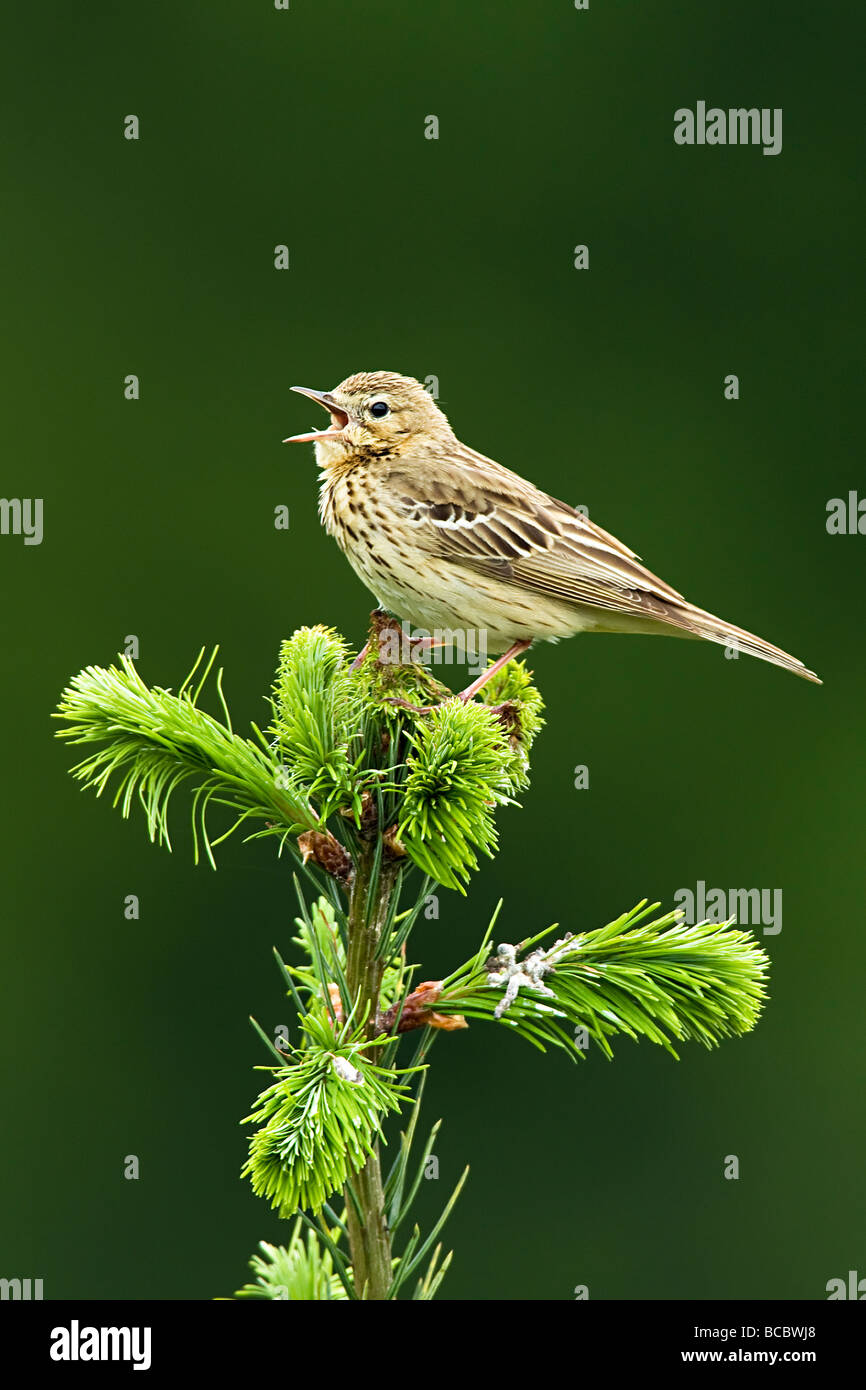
x=379, y=408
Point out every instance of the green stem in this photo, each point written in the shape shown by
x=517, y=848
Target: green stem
x=369, y=1237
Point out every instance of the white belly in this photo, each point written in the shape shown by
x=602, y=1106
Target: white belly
x=440, y=595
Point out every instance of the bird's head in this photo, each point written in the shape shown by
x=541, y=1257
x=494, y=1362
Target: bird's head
x=377, y=411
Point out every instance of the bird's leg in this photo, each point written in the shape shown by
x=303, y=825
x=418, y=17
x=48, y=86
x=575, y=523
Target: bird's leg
x=422, y=645
x=471, y=690
x=376, y=626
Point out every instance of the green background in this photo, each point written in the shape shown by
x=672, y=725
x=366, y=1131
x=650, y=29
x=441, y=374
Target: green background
x=451, y=258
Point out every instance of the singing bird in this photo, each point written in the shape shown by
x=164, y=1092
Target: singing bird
x=446, y=538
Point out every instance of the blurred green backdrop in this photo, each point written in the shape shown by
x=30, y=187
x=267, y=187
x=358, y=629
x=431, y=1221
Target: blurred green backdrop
x=451, y=258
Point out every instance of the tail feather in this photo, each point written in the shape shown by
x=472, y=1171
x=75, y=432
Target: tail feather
x=713, y=629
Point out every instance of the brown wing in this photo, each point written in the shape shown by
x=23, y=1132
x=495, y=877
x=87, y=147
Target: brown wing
x=471, y=510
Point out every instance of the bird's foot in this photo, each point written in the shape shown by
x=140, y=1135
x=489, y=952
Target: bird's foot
x=416, y=709
x=517, y=649
x=360, y=657
x=503, y=712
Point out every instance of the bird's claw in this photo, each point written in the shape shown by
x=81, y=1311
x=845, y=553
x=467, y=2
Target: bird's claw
x=407, y=704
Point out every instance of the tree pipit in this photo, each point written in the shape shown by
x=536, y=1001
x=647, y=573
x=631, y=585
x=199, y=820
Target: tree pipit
x=448, y=539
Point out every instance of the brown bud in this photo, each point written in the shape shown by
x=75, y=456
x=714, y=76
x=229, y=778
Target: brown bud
x=508, y=715
x=447, y=1022
x=336, y=1002
x=327, y=852
x=369, y=812
x=417, y=1013
x=394, y=848
x=369, y=816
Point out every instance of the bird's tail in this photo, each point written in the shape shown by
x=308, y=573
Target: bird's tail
x=701, y=624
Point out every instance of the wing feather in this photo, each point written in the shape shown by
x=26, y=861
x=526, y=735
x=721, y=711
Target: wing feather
x=470, y=510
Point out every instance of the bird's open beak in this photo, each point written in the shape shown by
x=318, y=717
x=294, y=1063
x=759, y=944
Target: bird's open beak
x=339, y=418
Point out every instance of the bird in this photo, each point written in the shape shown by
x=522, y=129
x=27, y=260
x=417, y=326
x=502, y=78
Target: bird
x=445, y=537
